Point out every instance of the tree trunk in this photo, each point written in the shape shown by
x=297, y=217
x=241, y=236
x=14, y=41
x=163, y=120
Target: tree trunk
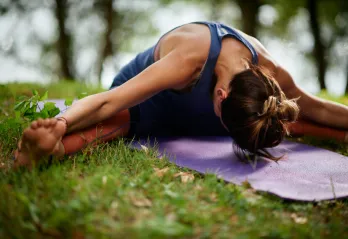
x=64, y=41
x=319, y=48
x=347, y=78
x=249, y=11
x=106, y=49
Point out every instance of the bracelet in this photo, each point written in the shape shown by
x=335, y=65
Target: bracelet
x=65, y=121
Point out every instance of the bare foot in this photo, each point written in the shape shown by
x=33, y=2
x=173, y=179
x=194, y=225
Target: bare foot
x=41, y=138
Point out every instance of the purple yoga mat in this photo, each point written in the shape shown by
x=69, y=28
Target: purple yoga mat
x=305, y=173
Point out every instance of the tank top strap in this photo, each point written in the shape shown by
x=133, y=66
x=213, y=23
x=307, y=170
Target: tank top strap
x=214, y=52
x=224, y=30
x=217, y=32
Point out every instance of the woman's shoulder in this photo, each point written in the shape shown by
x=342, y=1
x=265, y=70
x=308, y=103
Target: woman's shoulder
x=193, y=40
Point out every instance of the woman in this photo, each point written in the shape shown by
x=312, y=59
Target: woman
x=201, y=78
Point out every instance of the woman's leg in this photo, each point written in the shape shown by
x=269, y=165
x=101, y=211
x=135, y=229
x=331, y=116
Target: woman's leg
x=46, y=137
x=116, y=126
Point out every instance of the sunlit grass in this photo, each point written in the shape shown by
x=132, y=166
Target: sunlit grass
x=118, y=192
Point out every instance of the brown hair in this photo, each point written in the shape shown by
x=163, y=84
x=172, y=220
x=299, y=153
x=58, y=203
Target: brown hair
x=256, y=112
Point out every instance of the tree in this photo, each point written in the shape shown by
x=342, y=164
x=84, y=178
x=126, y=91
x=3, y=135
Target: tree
x=60, y=56
x=106, y=49
x=346, y=90
x=121, y=27
x=319, y=47
x=250, y=10
x=62, y=47
x=320, y=12
x=64, y=41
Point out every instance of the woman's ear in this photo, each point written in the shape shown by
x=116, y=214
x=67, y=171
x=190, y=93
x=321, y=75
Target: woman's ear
x=246, y=63
x=222, y=94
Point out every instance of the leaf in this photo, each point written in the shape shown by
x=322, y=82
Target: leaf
x=28, y=114
x=52, y=113
x=32, y=109
x=35, y=92
x=43, y=114
x=44, y=97
x=49, y=106
x=68, y=102
x=251, y=196
x=19, y=106
x=185, y=176
x=27, y=105
x=198, y=187
x=298, y=219
x=34, y=99
x=160, y=172
x=140, y=202
x=49, y=110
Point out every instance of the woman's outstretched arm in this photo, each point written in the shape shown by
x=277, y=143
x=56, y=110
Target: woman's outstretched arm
x=313, y=108
x=175, y=70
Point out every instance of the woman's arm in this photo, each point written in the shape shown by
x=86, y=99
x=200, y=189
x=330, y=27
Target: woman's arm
x=311, y=107
x=174, y=70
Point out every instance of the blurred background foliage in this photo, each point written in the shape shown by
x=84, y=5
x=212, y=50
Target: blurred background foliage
x=90, y=40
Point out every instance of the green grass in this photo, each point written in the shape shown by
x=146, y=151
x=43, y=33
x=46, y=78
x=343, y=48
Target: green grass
x=114, y=191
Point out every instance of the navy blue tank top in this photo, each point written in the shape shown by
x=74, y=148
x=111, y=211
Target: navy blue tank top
x=188, y=113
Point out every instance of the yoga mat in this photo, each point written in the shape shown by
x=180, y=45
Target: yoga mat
x=305, y=173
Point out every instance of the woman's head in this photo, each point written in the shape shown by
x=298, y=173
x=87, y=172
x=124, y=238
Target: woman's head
x=256, y=111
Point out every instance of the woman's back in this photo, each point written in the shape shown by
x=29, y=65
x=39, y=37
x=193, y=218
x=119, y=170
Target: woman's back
x=186, y=109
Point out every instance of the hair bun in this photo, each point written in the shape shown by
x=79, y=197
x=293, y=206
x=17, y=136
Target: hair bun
x=284, y=109
x=269, y=106
x=288, y=110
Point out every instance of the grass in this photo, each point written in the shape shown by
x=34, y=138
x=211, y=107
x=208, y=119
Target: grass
x=114, y=191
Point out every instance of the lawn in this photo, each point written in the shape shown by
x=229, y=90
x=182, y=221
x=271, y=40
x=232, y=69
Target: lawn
x=114, y=191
